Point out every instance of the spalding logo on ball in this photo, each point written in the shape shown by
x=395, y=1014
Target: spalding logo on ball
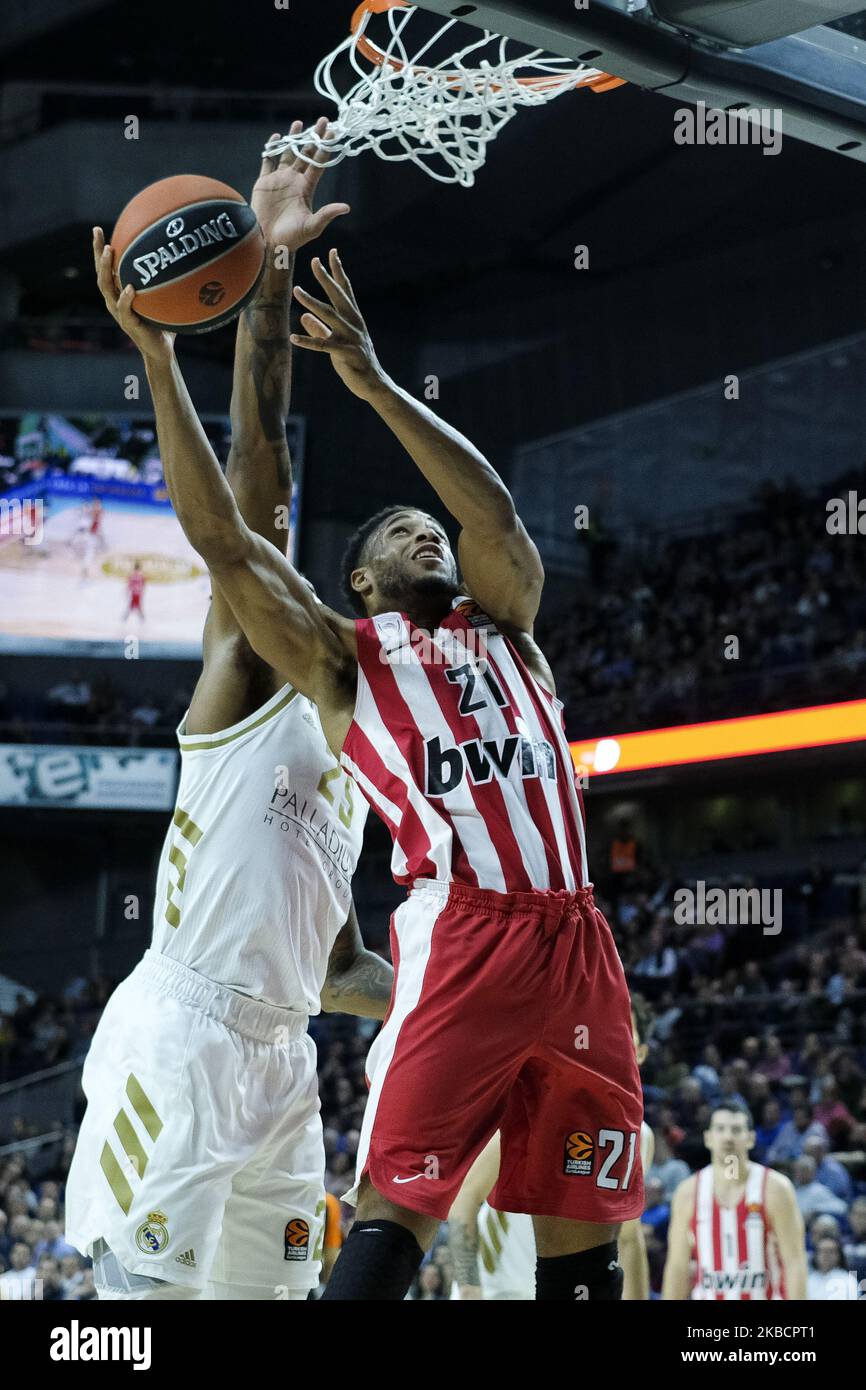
x=192, y=250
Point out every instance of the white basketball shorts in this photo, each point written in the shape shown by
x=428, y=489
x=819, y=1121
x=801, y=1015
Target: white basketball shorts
x=200, y=1156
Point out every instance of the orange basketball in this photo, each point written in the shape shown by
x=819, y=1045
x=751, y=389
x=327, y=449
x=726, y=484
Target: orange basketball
x=192, y=250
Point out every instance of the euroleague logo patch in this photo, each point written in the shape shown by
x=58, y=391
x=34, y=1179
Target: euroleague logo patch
x=211, y=293
x=474, y=615
x=297, y=1238
x=579, y=1154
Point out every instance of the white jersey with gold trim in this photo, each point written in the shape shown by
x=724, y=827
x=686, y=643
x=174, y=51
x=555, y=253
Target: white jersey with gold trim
x=254, y=879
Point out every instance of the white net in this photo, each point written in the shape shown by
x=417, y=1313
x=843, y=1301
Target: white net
x=436, y=106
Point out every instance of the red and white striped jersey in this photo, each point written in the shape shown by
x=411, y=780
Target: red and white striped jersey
x=464, y=756
x=735, y=1247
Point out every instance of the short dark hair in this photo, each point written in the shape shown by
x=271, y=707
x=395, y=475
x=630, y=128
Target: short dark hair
x=355, y=549
x=738, y=1107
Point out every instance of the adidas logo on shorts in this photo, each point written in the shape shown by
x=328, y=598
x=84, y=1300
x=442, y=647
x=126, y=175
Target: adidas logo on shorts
x=187, y=1258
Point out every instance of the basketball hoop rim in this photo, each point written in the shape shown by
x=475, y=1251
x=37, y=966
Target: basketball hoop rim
x=601, y=82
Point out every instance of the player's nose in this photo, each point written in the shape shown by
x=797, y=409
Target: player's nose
x=426, y=535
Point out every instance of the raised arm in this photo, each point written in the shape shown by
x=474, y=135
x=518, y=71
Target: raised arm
x=358, y=981
x=300, y=638
x=500, y=564
x=259, y=467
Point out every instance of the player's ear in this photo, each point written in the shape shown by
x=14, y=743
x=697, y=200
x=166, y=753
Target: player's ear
x=361, y=581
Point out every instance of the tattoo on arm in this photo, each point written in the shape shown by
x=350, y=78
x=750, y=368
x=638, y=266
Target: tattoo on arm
x=360, y=986
x=266, y=322
x=463, y=1245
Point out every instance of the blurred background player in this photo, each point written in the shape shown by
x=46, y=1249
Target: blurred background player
x=493, y=1252
x=135, y=592
x=736, y=1230
x=199, y=1165
x=90, y=535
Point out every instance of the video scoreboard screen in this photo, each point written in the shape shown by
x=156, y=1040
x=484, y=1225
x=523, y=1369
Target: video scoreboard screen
x=83, y=506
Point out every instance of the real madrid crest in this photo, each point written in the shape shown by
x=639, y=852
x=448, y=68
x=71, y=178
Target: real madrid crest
x=152, y=1235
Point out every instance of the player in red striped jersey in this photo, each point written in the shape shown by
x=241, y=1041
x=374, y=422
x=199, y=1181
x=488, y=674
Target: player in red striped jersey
x=736, y=1231
x=135, y=583
x=510, y=1010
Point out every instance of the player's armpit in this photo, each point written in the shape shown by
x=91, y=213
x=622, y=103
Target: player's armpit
x=310, y=646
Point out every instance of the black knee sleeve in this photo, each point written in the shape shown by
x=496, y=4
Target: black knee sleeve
x=593, y=1275
x=379, y=1261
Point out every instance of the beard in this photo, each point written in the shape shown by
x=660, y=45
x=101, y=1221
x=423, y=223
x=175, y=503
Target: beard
x=397, y=586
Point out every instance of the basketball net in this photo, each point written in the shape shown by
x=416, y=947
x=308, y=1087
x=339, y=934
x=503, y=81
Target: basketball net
x=440, y=112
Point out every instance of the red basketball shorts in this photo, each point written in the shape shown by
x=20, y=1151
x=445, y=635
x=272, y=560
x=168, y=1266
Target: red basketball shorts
x=510, y=1012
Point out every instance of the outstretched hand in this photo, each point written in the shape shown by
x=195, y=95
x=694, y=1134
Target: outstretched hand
x=282, y=198
x=154, y=344
x=338, y=328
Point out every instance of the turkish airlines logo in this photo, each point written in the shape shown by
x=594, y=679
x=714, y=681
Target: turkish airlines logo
x=482, y=760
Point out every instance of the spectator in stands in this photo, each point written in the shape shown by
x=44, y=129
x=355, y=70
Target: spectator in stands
x=775, y=1064
x=855, y=1247
x=829, y=1278
x=657, y=1208
x=828, y=1170
x=48, y=1272
x=812, y=1196
x=789, y=1142
x=660, y=964
x=768, y=1130
x=706, y=1073
x=832, y=1112
x=669, y=1170
x=18, y=1281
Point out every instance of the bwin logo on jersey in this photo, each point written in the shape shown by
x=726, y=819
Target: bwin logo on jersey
x=482, y=759
x=743, y=1280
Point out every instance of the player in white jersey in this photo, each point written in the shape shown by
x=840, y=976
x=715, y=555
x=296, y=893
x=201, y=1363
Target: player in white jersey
x=736, y=1231
x=199, y=1165
x=494, y=1253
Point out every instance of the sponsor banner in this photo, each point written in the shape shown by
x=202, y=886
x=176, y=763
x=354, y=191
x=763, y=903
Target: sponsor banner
x=125, y=779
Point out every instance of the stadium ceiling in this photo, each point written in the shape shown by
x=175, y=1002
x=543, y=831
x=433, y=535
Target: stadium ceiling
x=767, y=54
x=20, y=23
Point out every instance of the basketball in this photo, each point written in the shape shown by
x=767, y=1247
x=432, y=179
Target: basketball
x=192, y=250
